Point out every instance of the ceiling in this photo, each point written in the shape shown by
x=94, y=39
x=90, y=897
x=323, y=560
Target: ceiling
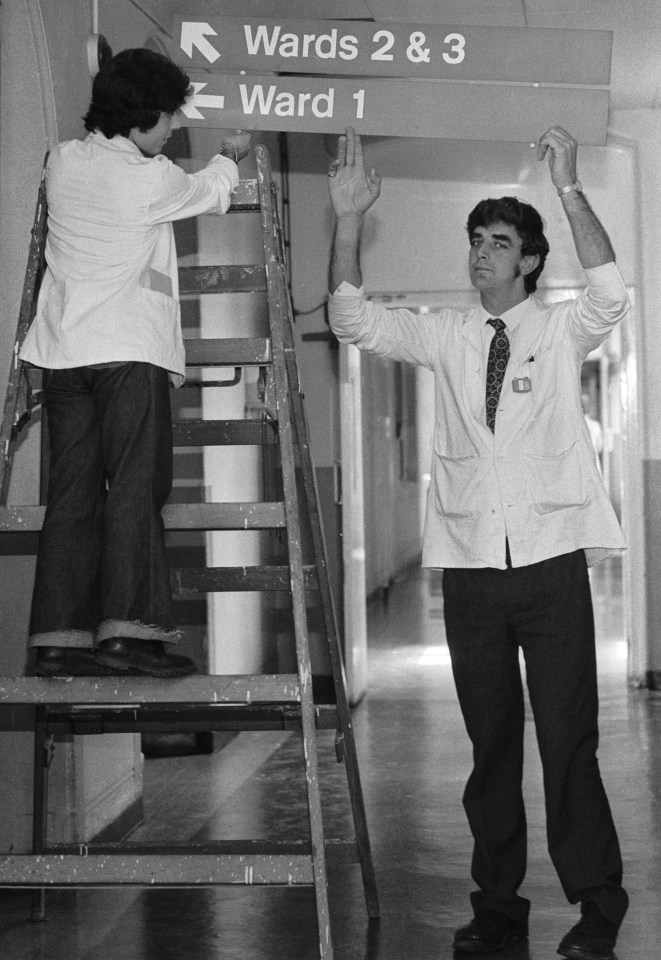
x=636, y=58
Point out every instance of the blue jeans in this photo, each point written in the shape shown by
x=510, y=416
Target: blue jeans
x=102, y=569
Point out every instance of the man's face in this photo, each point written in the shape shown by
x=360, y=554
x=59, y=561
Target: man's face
x=152, y=141
x=495, y=260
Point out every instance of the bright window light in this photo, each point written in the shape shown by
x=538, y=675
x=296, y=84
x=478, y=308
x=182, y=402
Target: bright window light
x=432, y=656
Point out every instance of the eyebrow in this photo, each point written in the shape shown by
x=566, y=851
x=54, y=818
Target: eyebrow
x=504, y=237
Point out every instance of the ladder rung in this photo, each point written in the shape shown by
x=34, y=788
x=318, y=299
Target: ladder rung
x=228, y=352
x=216, y=579
x=245, y=197
x=96, y=719
x=230, y=862
x=222, y=278
x=202, y=433
x=22, y=519
x=49, y=870
x=340, y=850
x=231, y=688
x=255, y=515
x=252, y=515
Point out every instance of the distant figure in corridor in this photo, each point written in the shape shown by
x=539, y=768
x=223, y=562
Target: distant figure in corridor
x=107, y=334
x=515, y=514
x=594, y=428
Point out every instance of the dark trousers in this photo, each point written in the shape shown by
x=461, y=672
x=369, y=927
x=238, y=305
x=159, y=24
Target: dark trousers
x=102, y=550
x=546, y=610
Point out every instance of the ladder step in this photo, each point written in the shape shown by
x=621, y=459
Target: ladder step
x=217, y=579
x=255, y=515
x=204, y=433
x=246, y=862
x=222, y=278
x=228, y=352
x=232, y=688
x=245, y=197
x=154, y=871
x=95, y=719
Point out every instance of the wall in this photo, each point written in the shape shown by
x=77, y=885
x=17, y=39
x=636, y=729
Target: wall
x=392, y=505
x=639, y=133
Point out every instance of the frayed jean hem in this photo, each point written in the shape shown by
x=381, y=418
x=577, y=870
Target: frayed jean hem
x=80, y=639
x=136, y=630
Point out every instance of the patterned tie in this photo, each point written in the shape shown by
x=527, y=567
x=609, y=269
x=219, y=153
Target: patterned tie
x=499, y=354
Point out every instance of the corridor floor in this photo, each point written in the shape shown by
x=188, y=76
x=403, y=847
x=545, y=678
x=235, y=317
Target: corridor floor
x=414, y=760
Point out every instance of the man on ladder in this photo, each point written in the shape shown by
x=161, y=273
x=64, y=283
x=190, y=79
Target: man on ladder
x=107, y=333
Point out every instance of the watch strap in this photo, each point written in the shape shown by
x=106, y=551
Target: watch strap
x=576, y=187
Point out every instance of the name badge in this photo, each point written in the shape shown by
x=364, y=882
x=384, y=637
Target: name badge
x=521, y=385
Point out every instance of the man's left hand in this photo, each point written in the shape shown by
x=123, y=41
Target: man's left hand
x=561, y=149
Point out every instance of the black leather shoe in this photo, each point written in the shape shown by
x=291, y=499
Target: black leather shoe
x=69, y=662
x=489, y=931
x=143, y=656
x=592, y=938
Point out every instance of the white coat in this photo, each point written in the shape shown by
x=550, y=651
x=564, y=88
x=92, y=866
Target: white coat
x=534, y=480
x=110, y=291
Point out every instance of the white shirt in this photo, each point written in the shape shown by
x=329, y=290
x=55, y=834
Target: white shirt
x=534, y=480
x=110, y=291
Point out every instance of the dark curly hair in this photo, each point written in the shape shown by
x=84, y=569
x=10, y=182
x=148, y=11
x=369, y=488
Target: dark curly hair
x=132, y=90
x=525, y=220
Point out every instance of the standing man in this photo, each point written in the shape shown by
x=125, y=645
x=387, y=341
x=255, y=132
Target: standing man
x=516, y=511
x=107, y=333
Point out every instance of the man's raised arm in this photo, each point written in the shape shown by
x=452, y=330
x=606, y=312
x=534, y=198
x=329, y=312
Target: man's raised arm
x=592, y=244
x=352, y=192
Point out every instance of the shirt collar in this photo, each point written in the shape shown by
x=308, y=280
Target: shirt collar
x=512, y=317
x=118, y=142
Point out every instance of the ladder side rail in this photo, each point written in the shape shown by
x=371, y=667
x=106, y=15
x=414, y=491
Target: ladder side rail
x=33, y=274
x=281, y=384
x=41, y=764
x=311, y=491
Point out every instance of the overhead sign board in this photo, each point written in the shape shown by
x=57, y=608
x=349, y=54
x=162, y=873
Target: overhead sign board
x=401, y=108
x=388, y=49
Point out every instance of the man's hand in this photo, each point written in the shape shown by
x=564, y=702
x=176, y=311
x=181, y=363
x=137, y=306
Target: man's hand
x=593, y=246
x=352, y=190
x=237, y=145
x=561, y=149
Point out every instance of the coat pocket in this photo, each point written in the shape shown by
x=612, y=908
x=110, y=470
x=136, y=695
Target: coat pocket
x=457, y=483
x=556, y=482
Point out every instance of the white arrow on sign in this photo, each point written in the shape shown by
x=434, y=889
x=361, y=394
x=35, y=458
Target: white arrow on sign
x=194, y=34
x=198, y=99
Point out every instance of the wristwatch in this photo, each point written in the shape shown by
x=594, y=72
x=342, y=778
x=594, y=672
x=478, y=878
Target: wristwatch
x=570, y=188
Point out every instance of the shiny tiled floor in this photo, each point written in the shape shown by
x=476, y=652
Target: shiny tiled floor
x=414, y=760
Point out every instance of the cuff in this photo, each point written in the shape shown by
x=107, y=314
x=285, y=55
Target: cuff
x=230, y=170
x=607, y=271
x=346, y=289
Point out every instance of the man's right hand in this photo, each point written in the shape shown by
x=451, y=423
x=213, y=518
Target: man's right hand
x=352, y=190
x=237, y=145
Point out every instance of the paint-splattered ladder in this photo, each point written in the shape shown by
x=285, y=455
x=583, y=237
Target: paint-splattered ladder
x=240, y=702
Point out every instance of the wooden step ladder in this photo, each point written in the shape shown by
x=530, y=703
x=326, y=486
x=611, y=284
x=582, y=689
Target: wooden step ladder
x=238, y=702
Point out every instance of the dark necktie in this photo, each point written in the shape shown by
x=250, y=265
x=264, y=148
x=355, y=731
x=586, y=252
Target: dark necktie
x=499, y=354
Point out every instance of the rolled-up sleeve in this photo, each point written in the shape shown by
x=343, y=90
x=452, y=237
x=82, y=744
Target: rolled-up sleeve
x=598, y=308
x=177, y=194
x=399, y=334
